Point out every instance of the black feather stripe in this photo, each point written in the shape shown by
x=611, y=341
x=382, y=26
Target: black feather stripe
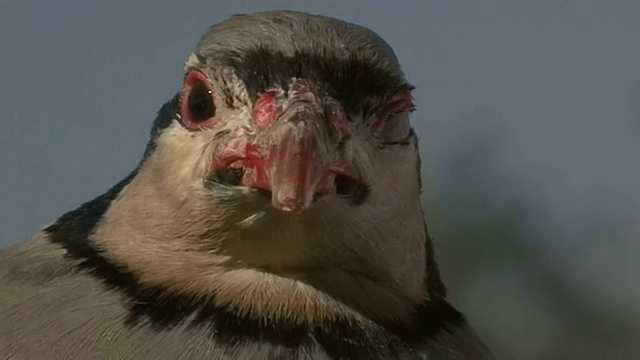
x=360, y=84
x=166, y=115
x=162, y=310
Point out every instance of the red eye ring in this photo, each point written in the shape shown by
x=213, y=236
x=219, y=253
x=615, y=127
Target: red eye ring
x=197, y=107
x=399, y=103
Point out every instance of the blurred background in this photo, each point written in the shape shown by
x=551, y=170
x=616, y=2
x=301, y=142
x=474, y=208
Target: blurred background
x=528, y=113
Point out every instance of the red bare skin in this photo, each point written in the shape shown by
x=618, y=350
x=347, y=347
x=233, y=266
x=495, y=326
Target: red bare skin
x=294, y=169
x=242, y=153
x=264, y=112
x=293, y=166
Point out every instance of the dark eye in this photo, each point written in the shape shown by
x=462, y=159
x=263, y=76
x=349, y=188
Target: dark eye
x=197, y=102
x=200, y=103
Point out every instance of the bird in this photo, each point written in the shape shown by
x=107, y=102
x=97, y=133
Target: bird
x=274, y=214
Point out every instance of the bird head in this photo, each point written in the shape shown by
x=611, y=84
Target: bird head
x=297, y=118
x=291, y=143
x=288, y=150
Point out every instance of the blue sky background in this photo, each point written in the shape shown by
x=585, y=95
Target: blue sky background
x=527, y=110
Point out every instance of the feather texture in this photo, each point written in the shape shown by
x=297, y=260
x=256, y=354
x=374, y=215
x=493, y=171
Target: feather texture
x=172, y=263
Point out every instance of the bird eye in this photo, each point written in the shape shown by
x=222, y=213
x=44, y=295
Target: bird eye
x=200, y=103
x=197, y=106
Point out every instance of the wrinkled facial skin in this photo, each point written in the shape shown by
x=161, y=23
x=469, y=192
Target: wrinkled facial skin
x=291, y=145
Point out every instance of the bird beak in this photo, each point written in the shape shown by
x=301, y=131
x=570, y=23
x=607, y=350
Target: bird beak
x=299, y=156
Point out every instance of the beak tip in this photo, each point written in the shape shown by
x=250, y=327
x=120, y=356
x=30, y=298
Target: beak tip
x=291, y=205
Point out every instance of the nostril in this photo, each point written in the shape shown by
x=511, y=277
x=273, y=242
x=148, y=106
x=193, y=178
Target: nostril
x=230, y=176
x=356, y=192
